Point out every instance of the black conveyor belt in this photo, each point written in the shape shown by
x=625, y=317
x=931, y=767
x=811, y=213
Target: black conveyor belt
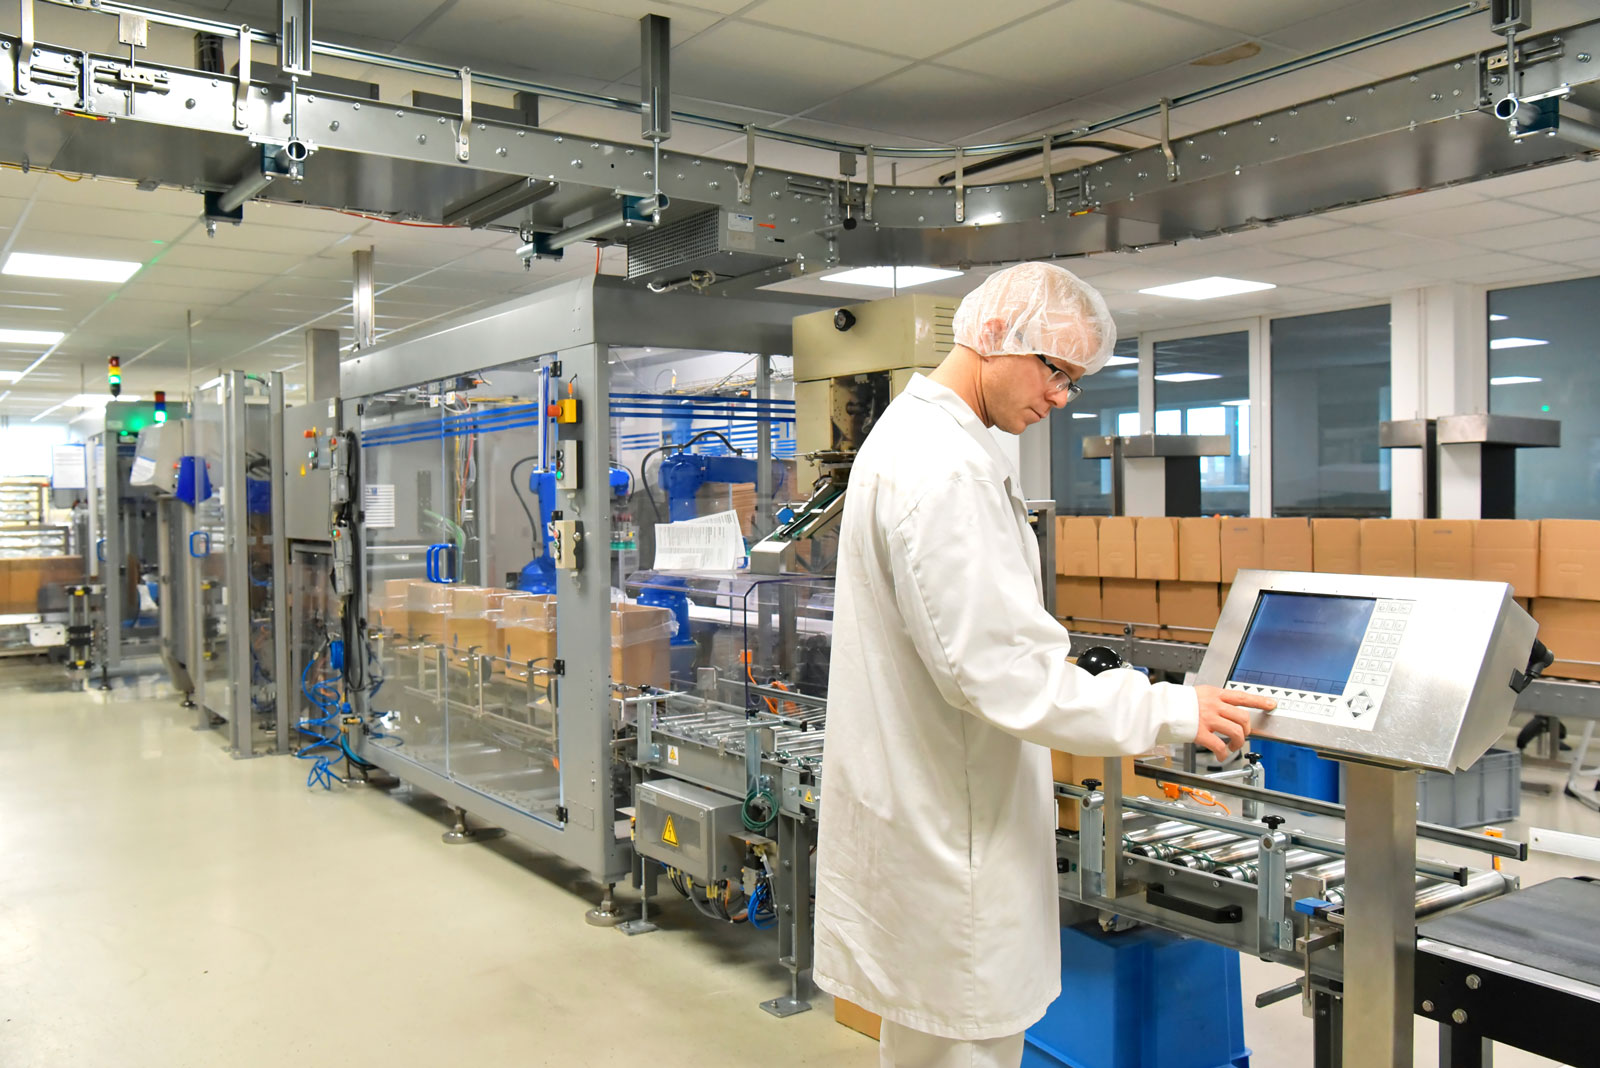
x=1548, y=927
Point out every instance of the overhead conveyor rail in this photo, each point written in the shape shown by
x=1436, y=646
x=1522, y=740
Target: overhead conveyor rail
x=1433, y=127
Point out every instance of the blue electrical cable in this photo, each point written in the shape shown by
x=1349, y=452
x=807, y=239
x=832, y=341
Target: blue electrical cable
x=326, y=699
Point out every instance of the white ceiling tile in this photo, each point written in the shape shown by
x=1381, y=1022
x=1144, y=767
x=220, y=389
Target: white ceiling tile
x=1576, y=199
x=96, y=246
x=217, y=258
x=766, y=68
x=1373, y=283
x=1084, y=45
x=1566, y=252
x=1484, y=268
x=936, y=25
x=934, y=102
x=1468, y=219
x=1537, y=178
x=1546, y=232
x=1407, y=207
x=1309, y=272
x=1340, y=241
x=1408, y=252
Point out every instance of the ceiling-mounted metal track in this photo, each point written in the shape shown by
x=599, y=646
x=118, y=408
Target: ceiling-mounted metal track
x=87, y=113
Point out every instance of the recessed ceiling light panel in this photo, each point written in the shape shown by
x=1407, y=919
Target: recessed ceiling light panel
x=890, y=277
x=1513, y=380
x=41, y=338
x=1186, y=376
x=1208, y=288
x=69, y=268
x=1516, y=342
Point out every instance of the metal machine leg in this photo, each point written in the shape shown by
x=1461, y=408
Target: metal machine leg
x=1578, y=786
x=1380, y=948
x=605, y=914
x=1327, y=1029
x=1460, y=1049
x=461, y=833
x=793, y=893
x=649, y=879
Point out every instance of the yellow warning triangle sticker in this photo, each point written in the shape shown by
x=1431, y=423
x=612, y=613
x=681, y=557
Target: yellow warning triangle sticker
x=669, y=833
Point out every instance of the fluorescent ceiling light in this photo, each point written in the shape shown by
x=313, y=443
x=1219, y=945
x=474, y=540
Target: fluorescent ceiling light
x=1513, y=380
x=96, y=400
x=30, y=337
x=1186, y=376
x=890, y=277
x=1085, y=415
x=1208, y=288
x=1235, y=403
x=1498, y=318
x=1121, y=361
x=10, y=376
x=71, y=268
x=1516, y=342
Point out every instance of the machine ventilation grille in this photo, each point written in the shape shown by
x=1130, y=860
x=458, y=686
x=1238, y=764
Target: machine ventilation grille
x=686, y=242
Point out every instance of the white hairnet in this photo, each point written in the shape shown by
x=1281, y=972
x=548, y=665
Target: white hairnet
x=1038, y=307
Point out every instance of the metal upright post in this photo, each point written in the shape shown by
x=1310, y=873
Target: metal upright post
x=1380, y=937
x=236, y=564
x=280, y=565
x=363, y=299
x=764, y=488
x=112, y=578
x=793, y=898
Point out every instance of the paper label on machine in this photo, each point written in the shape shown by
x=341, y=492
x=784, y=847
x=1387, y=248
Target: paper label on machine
x=1322, y=658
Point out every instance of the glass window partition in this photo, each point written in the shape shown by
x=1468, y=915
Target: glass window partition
x=1330, y=391
x=1203, y=387
x=1542, y=363
x=1109, y=406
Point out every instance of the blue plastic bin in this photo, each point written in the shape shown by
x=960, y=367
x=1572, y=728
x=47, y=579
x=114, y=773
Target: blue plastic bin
x=1294, y=769
x=1141, y=999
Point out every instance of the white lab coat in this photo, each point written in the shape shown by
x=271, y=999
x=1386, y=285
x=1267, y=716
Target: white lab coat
x=936, y=875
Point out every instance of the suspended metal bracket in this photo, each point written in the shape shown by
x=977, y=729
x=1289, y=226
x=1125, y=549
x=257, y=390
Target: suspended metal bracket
x=25, y=50
x=961, y=185
x=872, y=183
x=630, y=212
x=241, y=99
x=1166, y=140
x=463, y=135
x=1049, y=179
x=749, y=176
x=294, y=36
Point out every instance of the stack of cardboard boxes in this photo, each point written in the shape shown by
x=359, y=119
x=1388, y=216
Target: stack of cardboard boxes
x=1169, y=577
x=23, y=577
x=518, y=629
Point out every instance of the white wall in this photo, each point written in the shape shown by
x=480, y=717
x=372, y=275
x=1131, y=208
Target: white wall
x=25, y=450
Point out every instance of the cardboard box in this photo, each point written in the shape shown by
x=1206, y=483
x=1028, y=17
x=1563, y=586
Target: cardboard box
x=1156, y=548
x=1239, y=542
x=25, y=580
x=1187, y=610
x=536, y=608
x=1389, y=547
x=1507, y=550
x=1444, y=548
x=522, y=643
x=476, y=600
x=856, y=1018
x=1117, y=558
x=1078, y=598
x=1569, y=558
x=1336, y=546
x=1286, y=544
x=1200, y=549
x=641, y=639
x=1571, y=630
x=1078, y=545
x=1073, y=769
x=740, y=497
x=1131, y=601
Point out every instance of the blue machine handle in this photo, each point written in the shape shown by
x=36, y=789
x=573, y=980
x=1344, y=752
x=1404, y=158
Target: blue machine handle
x=100, y=550
x=436, y=565
x=196, y=534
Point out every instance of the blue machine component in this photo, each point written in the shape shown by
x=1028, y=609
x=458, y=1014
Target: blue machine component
x=621, y=481
x=336, y=655
x=1139, y=999
x=258, y=496
x=676, y=603
x=683, y=473
x=539, y=576
x=194, y=480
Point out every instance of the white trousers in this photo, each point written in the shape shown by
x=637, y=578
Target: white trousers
x=901, y=1047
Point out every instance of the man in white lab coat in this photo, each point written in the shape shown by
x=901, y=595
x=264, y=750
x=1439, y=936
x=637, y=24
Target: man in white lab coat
x=936, y=877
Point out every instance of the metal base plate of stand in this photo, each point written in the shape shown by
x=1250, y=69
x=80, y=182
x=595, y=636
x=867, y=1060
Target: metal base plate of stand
x=638, y=927
x=785, y=1006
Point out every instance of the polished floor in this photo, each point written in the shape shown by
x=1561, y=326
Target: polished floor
x=162, y=904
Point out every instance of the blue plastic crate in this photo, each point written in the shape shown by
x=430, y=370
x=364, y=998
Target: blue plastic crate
x=1294, y=769
x=1141, y=999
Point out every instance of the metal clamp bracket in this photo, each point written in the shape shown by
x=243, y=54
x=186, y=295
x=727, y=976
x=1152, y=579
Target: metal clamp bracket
x=1274, y=929
x=1166, y=140
x=25, y=50
x=872, y=183
x=748, y=180
x=1049, y=179
x=241, y=99
x=463, y=136
x=961, y=185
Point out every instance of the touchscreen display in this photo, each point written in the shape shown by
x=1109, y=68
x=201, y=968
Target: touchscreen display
x=1303, y=641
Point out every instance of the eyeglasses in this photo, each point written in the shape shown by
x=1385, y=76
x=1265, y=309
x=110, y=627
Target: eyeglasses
x=1060, y=380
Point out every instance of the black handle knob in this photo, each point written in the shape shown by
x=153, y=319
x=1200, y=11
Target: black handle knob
x=1091, y=784
x=1273, y=822
x=1254, y=758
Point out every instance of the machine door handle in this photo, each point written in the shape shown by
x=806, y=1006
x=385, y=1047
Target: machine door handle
x=431, y=563
x=441, y=562
x=100, y=550
x=198, y=534
x=1158, y=897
